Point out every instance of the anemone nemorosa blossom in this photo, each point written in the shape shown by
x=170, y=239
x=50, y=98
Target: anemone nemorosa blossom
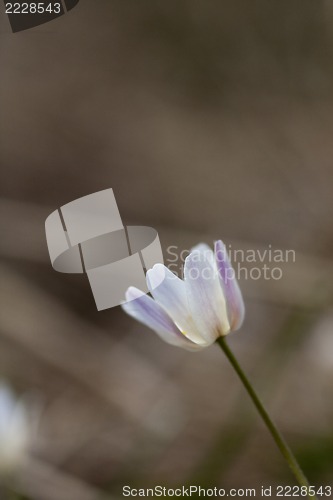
x=190, y=313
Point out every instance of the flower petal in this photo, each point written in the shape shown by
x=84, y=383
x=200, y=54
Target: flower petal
x=233, y=295
x=143, y=308
x=170, y=292
x=204, y=294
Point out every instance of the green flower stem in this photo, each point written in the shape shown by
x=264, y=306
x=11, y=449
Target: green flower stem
x=278, y=438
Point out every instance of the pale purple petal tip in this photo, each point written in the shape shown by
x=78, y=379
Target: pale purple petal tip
x=233, y=295
x=146, y=310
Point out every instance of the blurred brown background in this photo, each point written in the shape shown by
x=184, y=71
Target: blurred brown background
x=208, y=119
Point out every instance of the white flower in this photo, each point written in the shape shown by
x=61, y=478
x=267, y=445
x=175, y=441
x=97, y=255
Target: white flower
x=190, y=313
x=14, y=431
